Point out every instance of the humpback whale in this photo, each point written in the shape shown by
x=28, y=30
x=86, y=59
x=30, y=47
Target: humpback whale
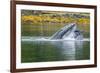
x=68, y=32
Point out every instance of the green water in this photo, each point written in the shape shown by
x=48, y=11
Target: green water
x=43, y=51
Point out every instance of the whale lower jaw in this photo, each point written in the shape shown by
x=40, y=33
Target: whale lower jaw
x=74, y=38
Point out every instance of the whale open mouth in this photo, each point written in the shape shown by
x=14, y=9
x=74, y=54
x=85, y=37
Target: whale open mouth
x=68, y=32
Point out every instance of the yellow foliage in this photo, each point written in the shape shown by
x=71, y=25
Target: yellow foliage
x=37, y=19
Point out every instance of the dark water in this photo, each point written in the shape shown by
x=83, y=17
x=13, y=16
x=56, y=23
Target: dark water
x=43, y=51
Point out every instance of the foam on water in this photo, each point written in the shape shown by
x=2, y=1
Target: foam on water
x=47, y=39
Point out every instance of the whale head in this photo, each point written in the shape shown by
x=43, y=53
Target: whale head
x=68, y=31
